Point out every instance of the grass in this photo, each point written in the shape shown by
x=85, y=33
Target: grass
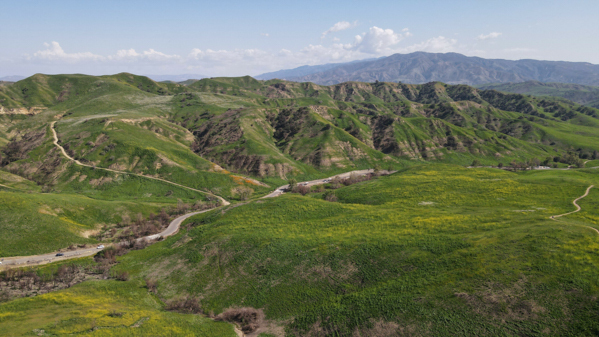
x=102, y=308
x=582, y=94
x=422, y=251
x=13, y=182
x=40, y=223
x=592, y=163
x=429, y=248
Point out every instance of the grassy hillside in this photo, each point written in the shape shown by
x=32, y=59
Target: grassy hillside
x=117, y=122
x=205, y=135
x=420, y=252
x=277, y=129
x=581, y=94
x=34, y=223
x=432, y=250
x=102, y=308
x=433, y=121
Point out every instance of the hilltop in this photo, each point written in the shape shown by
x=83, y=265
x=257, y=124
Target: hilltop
x=581, y=94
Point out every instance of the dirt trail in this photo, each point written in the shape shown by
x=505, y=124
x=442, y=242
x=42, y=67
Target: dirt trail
x=55, y=136
x=578, y=208
x=283, y=188
x=173, y=228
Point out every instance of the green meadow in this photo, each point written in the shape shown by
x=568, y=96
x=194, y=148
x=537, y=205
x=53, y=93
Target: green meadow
x=431, y=250
x=41, y=223
x=102, y=308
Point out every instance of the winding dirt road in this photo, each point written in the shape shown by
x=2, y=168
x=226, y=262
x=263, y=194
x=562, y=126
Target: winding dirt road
x=554, y=217
x=173, y=228
x=578, y=208
x=55, y=136
x=21, y=261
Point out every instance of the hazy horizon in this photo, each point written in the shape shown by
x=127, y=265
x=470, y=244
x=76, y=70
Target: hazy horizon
x=238, y=38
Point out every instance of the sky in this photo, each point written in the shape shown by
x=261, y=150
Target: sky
x=235, y=38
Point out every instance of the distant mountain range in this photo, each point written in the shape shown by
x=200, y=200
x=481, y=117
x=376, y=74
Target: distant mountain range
x=176, y=78
x=13, y=78
x=304, y=70
x=452, y=68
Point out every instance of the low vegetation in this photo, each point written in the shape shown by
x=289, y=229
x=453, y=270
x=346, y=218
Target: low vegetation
x=434, y=249
x=104, y=308
x=422, y=251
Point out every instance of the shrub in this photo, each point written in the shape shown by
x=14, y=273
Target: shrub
x=115, y=313
x=249, y=319
x=122, y=276
x=303, y=190
x=318, y=188
x=330, y=196
x=187, y=305
x=152, y=285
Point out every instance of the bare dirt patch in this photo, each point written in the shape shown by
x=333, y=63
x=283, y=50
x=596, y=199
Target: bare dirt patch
x=167, y=161
x=100, y=181
x=90, y=232
x=503, y=303
x=45, y=209
x=379, y=328
x=251, y=321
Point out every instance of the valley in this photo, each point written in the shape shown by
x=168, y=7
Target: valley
x=232, y=206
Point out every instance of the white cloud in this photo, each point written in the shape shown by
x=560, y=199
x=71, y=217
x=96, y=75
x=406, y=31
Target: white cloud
x=265, y=34
x=147, y=55
x=438, y=44
x=54, y=52
x=376, y=40
x=489, y=36
x=154, y=55
x=339, y=26
x=125, y=54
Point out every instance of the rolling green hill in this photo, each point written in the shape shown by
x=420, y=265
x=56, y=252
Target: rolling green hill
x=432, y=250
x=581, y=94
x=277, y=129
x=211, y=133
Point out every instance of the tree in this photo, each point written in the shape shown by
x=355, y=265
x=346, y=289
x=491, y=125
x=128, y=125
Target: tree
x=336, y=183
x=243, y=192
x=547, y=161
x=303, y=190
x=377, y=169
x=292, y=183
x=500, y=165
x=475, y=163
